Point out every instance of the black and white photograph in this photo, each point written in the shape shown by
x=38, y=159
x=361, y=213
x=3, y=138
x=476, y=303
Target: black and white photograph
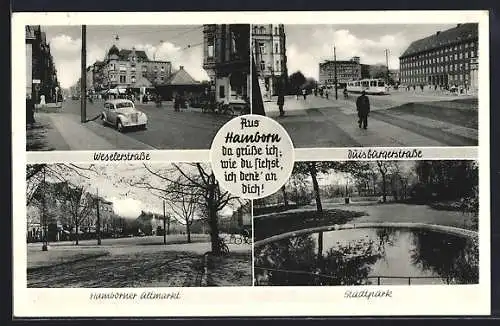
x=132, y=226
x=370, y=223
x=144, y=87
x=369, y=85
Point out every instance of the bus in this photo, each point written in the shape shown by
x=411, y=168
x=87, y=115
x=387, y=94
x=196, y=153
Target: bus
x=370, y=86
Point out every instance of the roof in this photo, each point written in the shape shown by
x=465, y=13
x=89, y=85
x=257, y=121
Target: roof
x=181, y=77
x=124, y=54
x=460, y=33
x=118, y=100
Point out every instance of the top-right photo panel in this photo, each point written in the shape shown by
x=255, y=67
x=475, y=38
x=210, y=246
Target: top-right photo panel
x=369, y=85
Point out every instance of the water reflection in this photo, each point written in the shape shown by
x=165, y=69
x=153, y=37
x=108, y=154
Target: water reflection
x=368, y=256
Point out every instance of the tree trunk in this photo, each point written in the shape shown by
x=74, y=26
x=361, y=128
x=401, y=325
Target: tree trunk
x=285, y=197
x=212, y=217
x=312, y=170
x=384, y=190
x=188, y=231
x=76, y=233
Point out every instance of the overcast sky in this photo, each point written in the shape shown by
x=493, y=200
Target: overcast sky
x=181, y=45
x=307, y=45
x=113, y=183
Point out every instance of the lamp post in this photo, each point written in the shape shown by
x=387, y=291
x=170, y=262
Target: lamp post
x=335, y=71
x=45, y=246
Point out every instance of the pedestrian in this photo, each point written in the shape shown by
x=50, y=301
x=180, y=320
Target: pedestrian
x=326, y=93
x=435, y=87
x=42, y=100
x=316, y=92
x=422, y=87
x=414, y=87
x=363, y=108
x=177, y=103
x=30, y=110
x=298, y=93
x=304, y=93
x=281, y=102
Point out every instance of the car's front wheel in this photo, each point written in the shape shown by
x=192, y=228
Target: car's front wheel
x=119, y=126
x=103, y=118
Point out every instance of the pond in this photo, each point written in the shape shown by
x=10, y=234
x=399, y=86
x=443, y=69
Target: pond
x=370, y=256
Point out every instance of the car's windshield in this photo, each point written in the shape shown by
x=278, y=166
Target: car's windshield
x=121, y=105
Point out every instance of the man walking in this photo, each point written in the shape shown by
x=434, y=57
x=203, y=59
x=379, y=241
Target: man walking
x=363, y=108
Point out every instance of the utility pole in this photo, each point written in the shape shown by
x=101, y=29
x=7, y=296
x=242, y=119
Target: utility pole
x=387, y=64
x=98, y=224
x=164, y=224
x=45, y=229
x=83, y=78
x=335, y=71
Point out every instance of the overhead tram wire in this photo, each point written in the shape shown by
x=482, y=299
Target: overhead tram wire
x=147, y=33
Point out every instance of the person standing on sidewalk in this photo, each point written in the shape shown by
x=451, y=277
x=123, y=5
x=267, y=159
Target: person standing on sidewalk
x=281, y=101
x=304, y=93
x=30, y=110
x=363, y=108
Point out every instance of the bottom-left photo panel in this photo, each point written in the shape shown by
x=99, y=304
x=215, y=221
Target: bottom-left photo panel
x=134, y=225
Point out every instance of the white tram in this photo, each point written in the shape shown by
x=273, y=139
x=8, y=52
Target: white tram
x=370, y=86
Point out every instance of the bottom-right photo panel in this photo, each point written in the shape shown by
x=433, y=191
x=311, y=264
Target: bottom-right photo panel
x=370, y=223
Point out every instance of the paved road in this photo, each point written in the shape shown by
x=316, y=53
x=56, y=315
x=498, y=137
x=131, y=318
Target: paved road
x=400, y=119
x=189, y=129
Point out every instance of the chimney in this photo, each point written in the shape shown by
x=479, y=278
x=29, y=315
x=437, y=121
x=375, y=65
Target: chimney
x=181, y=68
x=437, y=33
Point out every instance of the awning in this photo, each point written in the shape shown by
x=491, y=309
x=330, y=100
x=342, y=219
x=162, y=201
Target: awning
x=116, y=91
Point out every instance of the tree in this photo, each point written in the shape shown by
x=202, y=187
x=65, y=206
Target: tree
x=79, y=204
x=184, y=210
x=383, y=168
x=296, y=80
x=191, y=179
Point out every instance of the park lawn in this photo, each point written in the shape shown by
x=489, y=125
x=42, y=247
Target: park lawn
x=446, y=111
x=268, y=226
x=232, y=270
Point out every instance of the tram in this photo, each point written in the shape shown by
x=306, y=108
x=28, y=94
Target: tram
x=370, y=86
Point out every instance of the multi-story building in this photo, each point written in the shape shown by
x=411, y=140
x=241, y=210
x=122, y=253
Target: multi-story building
x=226, y=59
x=347, y=70
x=124, y=68
x=269, y=51
x=41, y=74
x=446, y=58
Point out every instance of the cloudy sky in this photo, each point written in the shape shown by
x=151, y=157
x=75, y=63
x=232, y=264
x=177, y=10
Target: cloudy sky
x=307, y=45
x=182, y=45
x=113, y=182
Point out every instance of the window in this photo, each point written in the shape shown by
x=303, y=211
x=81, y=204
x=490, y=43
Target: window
x=222, y=93
x=466, y=66
x=472, y=54
x=277, y=65
x=162, y=69
x=122, y=67
x=123, y=79
x=262, y=48
x=262, y=65
x=161, y=78
x=460, y=56
x=466, y=45
x=144, y=68
x=132, y=79
x=466, y=55
x=276, y=30
x=210, y=48
x=262, y=30
x=456, y=56
x=276, y=48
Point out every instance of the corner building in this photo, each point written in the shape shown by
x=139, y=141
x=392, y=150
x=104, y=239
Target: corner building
x=447, y=58
x=269, y=51
x=226, y=59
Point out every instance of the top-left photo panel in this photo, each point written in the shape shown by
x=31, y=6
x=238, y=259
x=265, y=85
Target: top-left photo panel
x=134, y=87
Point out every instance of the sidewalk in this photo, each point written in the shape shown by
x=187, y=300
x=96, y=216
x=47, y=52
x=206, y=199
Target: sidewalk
x=87, y=136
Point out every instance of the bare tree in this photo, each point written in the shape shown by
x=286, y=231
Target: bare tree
x=191, y=179
x=79, y=205
x=184, y=209
x=382, y=168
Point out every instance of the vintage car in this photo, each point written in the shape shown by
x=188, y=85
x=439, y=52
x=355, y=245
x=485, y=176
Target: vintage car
x=122, y=114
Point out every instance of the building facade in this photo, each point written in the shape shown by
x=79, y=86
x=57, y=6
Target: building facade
x=269, y=51
x=447, y=58
x=226, y=59
x=347, y=70
x=126, y=69
x=41, y=74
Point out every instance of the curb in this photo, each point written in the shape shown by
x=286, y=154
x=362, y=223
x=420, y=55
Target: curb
x=432, y=227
